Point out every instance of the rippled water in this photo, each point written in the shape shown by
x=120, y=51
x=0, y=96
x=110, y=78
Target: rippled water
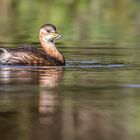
x=95, y=96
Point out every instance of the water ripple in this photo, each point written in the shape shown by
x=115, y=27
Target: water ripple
x=93, y=64
x=132, y=85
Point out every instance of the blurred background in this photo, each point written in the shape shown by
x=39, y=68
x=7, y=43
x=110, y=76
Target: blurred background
x=96, y=95
x=78, y=20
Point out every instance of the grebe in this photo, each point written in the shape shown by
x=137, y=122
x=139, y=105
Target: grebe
x=28, y=55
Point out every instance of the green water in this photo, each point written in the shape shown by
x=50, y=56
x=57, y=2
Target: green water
x=96, y=95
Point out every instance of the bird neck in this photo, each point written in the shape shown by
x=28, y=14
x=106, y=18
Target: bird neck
x=52, y=51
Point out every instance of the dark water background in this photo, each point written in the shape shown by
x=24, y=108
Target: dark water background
x=96, y=95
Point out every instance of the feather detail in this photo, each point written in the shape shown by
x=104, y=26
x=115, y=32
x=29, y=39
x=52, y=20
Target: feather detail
x=29, y=55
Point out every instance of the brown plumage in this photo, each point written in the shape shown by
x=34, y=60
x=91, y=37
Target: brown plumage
x=29, y=55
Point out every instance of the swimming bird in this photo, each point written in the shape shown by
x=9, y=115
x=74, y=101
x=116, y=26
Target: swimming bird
x=29, y=55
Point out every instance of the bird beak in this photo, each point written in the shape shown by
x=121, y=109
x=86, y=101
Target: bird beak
x=58, y=36
x=55, y=35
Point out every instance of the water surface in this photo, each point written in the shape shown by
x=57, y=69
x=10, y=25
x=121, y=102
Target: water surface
x=95, y=96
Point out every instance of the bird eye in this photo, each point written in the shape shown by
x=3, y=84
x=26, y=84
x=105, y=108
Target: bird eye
x=48, y=31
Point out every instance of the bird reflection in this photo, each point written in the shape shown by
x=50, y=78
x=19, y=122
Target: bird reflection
x=45, y=78
x=39, y=109
x=48, y=98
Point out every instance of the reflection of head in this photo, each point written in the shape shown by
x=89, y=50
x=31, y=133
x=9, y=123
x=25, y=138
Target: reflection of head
x=48, y=99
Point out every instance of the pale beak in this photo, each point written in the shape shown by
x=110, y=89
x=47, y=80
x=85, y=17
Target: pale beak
x=55, y=35
x=58, y=36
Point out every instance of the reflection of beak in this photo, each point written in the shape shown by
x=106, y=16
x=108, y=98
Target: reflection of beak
x=55, y=35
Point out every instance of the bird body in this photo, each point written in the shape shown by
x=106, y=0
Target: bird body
x=29, y=55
